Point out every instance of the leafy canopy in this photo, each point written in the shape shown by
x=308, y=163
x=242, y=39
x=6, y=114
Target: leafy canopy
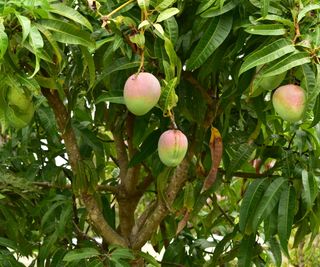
x=76, y=167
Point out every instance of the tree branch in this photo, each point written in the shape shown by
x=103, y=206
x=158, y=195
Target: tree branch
x=68, y=135
x=150, y=225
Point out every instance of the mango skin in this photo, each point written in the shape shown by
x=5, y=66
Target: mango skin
x=172, y=147
x=289, y=102
x=141, y=93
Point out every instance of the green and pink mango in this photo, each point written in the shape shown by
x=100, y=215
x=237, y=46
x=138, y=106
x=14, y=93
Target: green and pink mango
x=172, y=147
x=141, y=93
x=289, y=102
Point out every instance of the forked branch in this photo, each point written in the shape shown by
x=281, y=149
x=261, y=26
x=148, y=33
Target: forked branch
x=68, y=135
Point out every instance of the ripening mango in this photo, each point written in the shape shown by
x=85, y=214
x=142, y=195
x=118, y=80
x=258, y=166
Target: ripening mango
x=172, y=147
x=141, y=93
x=289, y=102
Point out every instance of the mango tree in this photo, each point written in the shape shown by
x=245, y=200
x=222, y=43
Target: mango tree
x=193, y=160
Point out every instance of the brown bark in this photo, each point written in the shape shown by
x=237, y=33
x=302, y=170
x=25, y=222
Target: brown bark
x=68, y=135
x=153, y=219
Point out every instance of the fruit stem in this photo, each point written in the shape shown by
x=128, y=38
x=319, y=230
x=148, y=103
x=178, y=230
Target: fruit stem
x=117, y=9
x=141, y=67
x=173, y=123
x=144, y=15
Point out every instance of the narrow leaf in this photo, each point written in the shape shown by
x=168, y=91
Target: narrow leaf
x=246, y=251
x=3, y=43
x=268, y=202
x=168, y=98
x=36, y=40
x=51, y=40
x=250, y=201
x=240, y=157
x=287, y=63
x=275, y=250
x=267, y=54
x=70, y=13
x=214, y=11
x=88, y=62
x=67, y=33
x=148, y=147
x=220, y=247
x=307, y=9
x=316, y=112
x=164, y=4
x=26, y=25
x=182, y=224
x=267, y=29
x=285, y=216
x=166, y=14
x=309, y=188
x=188, y=196
x=212, y=38
x=119, y=64
x=265, y=7
x=79, y=254
x=312, y=86
x=216, y=149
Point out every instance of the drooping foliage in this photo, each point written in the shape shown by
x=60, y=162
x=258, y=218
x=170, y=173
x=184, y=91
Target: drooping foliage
x=81, y=182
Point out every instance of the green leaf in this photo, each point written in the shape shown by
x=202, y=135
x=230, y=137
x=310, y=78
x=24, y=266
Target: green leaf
x=168, y=98
x=167, y=13
x=220, y=247
x=148, y=147
x=26, y=26
x=8, y=243
x=267, y=54
x=246, y=251
x=309, y=188
x=121, y=253
x=250, y=201
x=164, y=4
x=82, y=253
x=67, y=33
x=311, y=85
x=188, y=196
x=267, y=29
x=286, y=211
x=270, y=224
x=172, y=29
x=278, y=19
x=35, y=37
x=268, y=201
x=265, y=7
x=3, y=43
x=149, y=259
x=204, y=5
x=138, y=39
x=307, y=9
x=143, y=4
x=240, y=157
x=114, y=96
x=212, y=38
x=214, y=11
x=316, y=112
x=89, y=62
x=119, y=64
x=287, y=63
x=51, y=40
x=70, y=13
x=276, y=251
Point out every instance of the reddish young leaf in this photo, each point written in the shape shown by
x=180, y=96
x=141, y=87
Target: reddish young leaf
x=216, y=148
